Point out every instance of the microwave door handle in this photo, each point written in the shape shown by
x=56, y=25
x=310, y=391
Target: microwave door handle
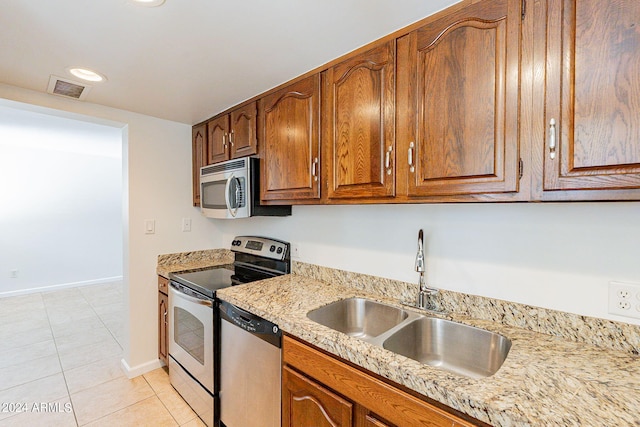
x=233, y=212
x=237, y=195
x=226, y=194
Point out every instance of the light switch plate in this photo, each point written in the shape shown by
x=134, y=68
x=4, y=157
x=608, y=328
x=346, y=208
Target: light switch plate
x=186, y=224
x=149, y=226
x=624, y=299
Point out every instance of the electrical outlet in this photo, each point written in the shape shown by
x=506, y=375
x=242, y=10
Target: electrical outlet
x=623, y=299
x=186, y=224
x=295, y=251
x=13, y=274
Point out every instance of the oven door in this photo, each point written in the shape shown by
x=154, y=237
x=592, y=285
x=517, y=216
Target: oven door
x=191, y=335
x=225, y=195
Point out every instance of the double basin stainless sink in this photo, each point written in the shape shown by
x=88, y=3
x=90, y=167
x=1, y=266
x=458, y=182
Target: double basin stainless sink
x=452, y=346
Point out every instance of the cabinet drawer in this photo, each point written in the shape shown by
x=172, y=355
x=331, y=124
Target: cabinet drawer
x=163, y=285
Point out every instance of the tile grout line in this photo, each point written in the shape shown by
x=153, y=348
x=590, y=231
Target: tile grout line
x=64, y=377
x=50, y=307
x=163, y=404
x=101, y=319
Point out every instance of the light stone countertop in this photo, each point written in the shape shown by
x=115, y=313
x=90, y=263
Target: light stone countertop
x=192, y=261
x=545, y=380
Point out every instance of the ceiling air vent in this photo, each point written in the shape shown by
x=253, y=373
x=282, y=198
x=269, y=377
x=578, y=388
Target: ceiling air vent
x=68, y=88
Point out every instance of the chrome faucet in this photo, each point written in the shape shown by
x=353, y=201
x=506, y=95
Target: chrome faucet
x=425, y=291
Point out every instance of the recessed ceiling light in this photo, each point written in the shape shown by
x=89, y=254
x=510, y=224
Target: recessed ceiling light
x=149, y=3
x=86, y=74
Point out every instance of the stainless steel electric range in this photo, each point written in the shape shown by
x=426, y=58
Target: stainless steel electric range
x=194, y=327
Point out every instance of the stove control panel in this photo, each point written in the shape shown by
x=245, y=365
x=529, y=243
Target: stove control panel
x=261, y=246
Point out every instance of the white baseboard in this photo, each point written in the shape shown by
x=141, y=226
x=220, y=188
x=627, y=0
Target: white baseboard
x=143, y=368
x=60, y=286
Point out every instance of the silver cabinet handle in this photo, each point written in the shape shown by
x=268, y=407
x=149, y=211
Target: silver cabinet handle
x=387, y=160
x=412, y=167
x=552, y=139
x=165, y=317
x=231, y=138
x=224, y=141
x=314, y=171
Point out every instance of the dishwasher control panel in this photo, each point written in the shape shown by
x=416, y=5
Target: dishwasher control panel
x=251, y=323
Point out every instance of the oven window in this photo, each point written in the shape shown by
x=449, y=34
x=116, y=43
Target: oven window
x=189, y=333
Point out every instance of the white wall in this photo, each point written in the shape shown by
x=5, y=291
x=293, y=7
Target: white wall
x=558, y=256
x=157, y=179
x=61, y=221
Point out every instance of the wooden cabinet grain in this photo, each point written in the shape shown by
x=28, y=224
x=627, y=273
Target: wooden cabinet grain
x=317, y=387
x=358, y=129
x=163, y=319
x=592, y=95
x=489, y=100
x=290, y=136
x=458, y=82
x=305, y=403
x=218, y=133
x=199, y=158
x=243, y=139
x=233, y=135
x=371, y=421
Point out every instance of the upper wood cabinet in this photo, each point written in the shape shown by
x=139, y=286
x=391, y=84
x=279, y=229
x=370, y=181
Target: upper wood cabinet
x=592, y=97
x=358, y=129
x=218, y=131
x=243, y=140
x=289, y=134
x=233, y=135
x=199, y=158
x=488, y=100
x=458, y=82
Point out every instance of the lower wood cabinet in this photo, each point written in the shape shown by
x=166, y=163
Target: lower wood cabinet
x=163, y=319
x=305, y=403
x=320, y=390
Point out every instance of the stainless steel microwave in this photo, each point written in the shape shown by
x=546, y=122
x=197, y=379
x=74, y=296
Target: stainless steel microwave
x=231, y=189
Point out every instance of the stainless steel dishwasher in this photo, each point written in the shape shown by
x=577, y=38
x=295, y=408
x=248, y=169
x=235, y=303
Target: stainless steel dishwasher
x=250, y=369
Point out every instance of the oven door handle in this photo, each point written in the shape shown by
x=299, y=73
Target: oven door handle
x=189, y=298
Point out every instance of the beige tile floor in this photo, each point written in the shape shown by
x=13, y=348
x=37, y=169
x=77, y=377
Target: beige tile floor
x=60, y=358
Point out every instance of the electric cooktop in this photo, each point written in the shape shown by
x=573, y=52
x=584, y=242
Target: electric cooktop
x=207, y=282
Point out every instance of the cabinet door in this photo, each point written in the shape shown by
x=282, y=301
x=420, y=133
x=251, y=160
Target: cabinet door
x=306, y=403
x=290, y=131
x=358, y=139
x=371, y=420
x=199, y=158
x=458, y=81
x=163, y=327
x=593, y=95
x=242, y=138
x=218, y=131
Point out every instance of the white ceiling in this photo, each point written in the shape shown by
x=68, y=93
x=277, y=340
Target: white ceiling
x=188, y=59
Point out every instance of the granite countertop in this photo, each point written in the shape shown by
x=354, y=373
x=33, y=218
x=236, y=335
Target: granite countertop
x=545, y=380
x=192, y=261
